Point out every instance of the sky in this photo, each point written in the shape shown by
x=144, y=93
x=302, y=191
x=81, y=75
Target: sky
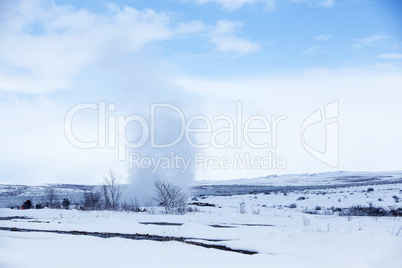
x=198, y=89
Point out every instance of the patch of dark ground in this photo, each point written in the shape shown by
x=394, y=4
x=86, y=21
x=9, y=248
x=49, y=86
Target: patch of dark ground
x=159, y=238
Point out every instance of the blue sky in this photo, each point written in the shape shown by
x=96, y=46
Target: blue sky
x=277, y=57
x=289, y=35
x=284, y=36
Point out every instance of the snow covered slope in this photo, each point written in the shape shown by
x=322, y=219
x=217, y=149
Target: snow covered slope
x=326, y=178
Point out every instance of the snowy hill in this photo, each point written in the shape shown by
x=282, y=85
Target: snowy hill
x=315, y=179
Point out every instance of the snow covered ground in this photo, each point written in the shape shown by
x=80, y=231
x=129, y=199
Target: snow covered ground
x=276, y=225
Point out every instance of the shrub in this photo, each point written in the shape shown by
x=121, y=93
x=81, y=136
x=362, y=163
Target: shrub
x=133, y=206
x=394, y=231
x=255, y=211
x=334, y=209
x=171, y=197
x=312, y=212
x=305, y=221
x=193, y=209
x=371, y=211
x=395, y=212
x=150, y=209
x=242, y=208
x=366, y=211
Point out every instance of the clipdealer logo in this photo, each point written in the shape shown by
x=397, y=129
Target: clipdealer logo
x=222, y=132
x=240, y=132
x=330, y=155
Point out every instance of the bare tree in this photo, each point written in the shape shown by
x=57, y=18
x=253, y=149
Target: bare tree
x=171, y=197
x=111, y=191
x=50, y=196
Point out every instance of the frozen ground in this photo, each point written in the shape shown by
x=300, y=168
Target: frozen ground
x=262, y=223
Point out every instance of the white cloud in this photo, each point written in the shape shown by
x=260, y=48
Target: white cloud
x=317, y=3
x=269, y=5
x=236, y=4
x=374, y=40
x=319, y=71
x=323, y=37
x=231, y=44
x=391, y=56
x=223, y=37
x=44, y=46
x=192, y=27
x=325, y=3
x=309, y=50
x=223, y=27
